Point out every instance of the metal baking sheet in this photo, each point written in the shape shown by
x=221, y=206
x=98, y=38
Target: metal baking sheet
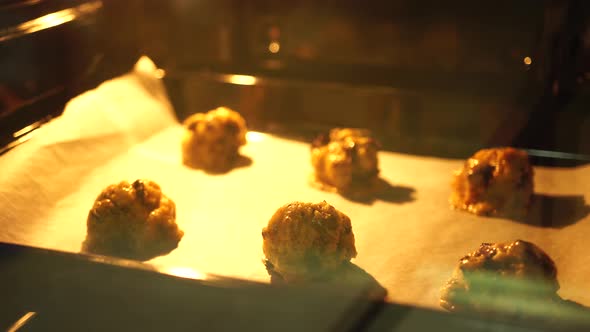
x=409, y=240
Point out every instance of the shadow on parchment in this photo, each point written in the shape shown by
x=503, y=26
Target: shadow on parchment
x=382, y=191
x=347, y=274
x=239, y=162
x=555, y=211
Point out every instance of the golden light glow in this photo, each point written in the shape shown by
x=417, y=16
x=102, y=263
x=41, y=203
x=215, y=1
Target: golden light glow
x=241, y=79
x=146, y=65
x=17, y=142
x=254, y=136
x=185, y=272
x=527, y=60
x=159, y=73
x=25, y=130
x=21, y=321
x=50, y=20
x=274, y=47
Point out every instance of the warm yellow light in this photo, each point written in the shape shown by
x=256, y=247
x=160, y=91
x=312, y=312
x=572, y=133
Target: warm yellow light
x=274, y=47
x=185, y=272
x=147, y=66
x=25, y=130
x=22, y=321
x=159, y=73
x=52, y=20
x=527, y=60
x=242, y=79
x=254, y=136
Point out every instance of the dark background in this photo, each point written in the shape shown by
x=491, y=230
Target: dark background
x=429, y=77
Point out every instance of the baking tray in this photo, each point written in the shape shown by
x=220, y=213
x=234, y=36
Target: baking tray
x=408, y=240
x=48, y=290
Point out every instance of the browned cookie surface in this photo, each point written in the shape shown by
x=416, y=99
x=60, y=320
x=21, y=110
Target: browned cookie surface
x=497, y=277
x=212, y=140
x=345, y=160
x=134, y=221
x=496, y=182
x=304, y=240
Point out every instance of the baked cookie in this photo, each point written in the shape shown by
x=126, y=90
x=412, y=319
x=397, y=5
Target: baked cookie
x=345, y=161
x=304, y=241
x=501, y=277
x=211, y=140
x=134, y=221
x=494, y=182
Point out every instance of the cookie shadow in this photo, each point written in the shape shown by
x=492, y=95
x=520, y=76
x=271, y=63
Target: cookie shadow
x=240, y=162
x=384, y=192
x=555, y=211
x=348, y=274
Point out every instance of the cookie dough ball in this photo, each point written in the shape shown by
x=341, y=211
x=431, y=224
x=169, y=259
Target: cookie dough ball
x=212, y=140
x=134, y=221
x=345, y=160
x=498, y=277
x=304, y=241
x=494, y=182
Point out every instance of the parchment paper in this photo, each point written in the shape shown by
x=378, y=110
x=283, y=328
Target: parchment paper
x=410, y=242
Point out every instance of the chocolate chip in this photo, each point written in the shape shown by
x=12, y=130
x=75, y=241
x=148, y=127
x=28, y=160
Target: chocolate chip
x=231, y=128
x=139, y=189
x=484, y=173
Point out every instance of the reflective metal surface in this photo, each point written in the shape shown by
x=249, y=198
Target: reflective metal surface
x=50, y=20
